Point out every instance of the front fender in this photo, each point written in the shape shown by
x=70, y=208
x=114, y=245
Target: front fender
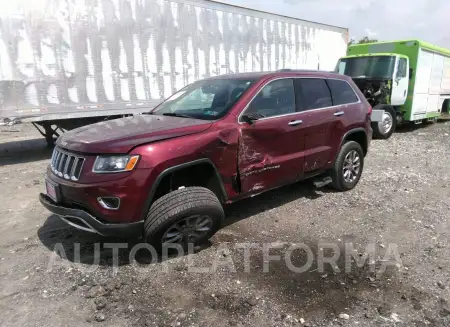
x=158, y=175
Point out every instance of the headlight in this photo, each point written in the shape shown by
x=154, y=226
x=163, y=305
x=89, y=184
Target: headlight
x=114, y=164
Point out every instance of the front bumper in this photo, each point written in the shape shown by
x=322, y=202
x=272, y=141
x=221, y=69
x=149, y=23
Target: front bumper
x=132, y=189
x=80, y=219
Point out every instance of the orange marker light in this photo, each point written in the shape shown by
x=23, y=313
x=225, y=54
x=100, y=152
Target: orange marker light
x=131, y=163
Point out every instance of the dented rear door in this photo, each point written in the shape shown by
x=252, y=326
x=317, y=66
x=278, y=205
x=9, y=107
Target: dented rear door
x=321, y=122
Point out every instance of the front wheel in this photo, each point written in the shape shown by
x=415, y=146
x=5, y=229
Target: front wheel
x=348, y=167
x=187, y=215
x=384, y=128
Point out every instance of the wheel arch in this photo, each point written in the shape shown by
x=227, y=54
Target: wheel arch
x=358, y=135
x=220, y=192
x=446, y=106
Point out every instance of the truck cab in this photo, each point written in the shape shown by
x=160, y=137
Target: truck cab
x=404, y=81
x=383, y=78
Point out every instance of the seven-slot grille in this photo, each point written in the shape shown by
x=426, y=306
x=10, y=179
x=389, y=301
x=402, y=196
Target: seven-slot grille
x=66, y=165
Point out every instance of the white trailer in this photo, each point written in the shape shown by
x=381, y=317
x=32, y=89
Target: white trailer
x=65, y=63
x=432, y=87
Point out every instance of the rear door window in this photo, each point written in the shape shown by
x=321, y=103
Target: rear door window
x=341, y=92
x=312, y=93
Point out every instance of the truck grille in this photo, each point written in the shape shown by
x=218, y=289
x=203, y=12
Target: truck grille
x=66, y=165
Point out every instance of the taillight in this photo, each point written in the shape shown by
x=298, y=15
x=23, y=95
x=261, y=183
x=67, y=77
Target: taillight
x=369, y=112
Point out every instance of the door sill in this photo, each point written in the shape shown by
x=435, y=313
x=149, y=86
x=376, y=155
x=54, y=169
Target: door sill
x=303, y=178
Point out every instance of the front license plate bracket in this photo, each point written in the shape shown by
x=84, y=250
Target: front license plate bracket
x=52, y=190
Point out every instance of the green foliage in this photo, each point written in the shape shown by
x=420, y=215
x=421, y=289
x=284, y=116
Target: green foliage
x=365, y=39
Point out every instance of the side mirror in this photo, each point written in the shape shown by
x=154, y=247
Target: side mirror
x=251, y=117
x=411, y=72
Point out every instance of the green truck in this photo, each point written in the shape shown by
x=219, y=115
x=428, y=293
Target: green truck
x=404, y=81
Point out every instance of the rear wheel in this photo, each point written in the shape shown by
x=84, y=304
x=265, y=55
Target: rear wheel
x=385, y=128
x=188, y=215
x=348, y=166
x=431, y=120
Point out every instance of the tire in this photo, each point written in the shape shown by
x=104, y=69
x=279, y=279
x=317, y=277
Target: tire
x=389, y=119
x=339, y=181
x=180, y=208
x=430, y=122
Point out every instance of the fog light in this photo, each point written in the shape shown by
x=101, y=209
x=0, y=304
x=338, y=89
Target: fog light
x=109, y=202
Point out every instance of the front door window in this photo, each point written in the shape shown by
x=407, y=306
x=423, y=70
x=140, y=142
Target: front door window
x=275, y=99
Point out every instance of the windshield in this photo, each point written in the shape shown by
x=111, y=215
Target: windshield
x=367, y=67
x=207, y=99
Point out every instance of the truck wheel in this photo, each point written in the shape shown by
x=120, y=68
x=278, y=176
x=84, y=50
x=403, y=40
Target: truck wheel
x=431, y=120
x=385, y=128
x=187, y=215
x=348, y=167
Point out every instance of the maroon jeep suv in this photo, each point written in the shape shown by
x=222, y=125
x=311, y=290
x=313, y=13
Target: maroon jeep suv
x=165, y=175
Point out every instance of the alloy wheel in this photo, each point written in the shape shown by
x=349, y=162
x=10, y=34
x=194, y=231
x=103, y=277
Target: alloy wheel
x=351, y=167
x=188, y=230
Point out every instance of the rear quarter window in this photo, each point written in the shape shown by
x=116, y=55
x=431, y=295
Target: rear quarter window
x=341, y=92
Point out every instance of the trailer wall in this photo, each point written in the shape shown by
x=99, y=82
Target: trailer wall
x=75, y=57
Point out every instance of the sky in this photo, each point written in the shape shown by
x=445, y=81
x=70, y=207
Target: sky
x=384, y=20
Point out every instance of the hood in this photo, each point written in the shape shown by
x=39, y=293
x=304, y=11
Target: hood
x=121, y=135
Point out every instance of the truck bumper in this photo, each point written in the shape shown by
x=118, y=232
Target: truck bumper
x=377, y=115
x=82, y=220
x=369, y=136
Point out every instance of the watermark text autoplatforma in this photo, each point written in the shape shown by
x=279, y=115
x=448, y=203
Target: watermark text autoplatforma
x=296, y=257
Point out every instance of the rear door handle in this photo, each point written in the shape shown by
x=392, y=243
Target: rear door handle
x=295, y=122
x=339, y=113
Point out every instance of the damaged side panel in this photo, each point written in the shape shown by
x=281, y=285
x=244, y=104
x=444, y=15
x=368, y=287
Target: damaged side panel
x=257, y=168
x=270, y=154
x=222, y=150
x=220, y=147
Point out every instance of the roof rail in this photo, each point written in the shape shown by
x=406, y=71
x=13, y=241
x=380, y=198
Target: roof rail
x=296, y=70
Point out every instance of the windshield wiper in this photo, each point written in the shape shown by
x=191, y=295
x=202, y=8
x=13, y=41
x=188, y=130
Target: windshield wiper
x=174, y=114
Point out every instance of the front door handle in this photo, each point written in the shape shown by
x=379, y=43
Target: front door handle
x=339, y=113
x=295, y=122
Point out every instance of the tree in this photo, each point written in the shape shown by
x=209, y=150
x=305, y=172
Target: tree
x=365, y=39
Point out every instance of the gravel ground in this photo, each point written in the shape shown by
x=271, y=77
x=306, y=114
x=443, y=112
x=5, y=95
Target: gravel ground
x=49, y=275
